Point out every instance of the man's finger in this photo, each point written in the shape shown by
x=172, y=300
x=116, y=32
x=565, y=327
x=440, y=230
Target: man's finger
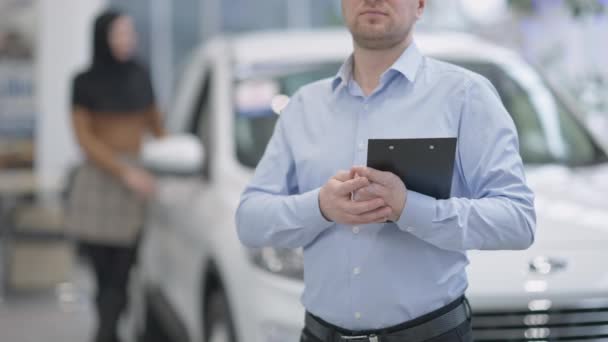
x=376, y=189
x=343, y=176
x=373, y=175
x=379, y=214
x=364, y=195
x=358, y=208
x=375, y=216
x=352, y=185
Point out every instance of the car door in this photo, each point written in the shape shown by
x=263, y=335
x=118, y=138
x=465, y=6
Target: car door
x=175, y=235
x=192, y=217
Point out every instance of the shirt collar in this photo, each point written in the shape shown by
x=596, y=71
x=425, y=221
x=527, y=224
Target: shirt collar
x=344, y=74
x=407, y=64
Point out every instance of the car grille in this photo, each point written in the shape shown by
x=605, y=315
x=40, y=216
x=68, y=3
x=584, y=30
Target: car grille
x=584, y=324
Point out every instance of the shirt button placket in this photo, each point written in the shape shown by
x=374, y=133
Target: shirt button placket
x=362, y=134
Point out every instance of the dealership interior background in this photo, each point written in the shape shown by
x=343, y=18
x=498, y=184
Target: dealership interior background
x=46, y=288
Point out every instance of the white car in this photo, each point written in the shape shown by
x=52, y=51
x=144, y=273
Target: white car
x=198, y=283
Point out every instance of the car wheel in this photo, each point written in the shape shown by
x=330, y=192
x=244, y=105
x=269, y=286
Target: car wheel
x=218, y=322
x=153, y=330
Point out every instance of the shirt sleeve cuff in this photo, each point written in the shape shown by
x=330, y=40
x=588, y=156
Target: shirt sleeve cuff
x=418, y=213
x=308, y=205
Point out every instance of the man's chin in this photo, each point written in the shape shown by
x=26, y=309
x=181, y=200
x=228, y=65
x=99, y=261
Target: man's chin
x=376, y=38
x=373, y=42
x=371, y=30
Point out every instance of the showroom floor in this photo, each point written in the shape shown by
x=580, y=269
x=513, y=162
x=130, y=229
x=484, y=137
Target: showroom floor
x=63, y=314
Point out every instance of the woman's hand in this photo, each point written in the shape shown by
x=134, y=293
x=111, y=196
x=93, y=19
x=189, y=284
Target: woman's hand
x=139, y=181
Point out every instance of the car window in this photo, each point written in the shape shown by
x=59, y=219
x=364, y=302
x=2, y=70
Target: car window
x=201, y=119
x=258, y=99
x=548, y=131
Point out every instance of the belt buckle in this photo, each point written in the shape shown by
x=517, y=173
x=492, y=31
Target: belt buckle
x=360, y=338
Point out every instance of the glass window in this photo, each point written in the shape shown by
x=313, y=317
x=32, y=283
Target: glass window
x=186, y=33
x=245, y=15
x=258, y=99
x=326, y=13
x=265, y=85
x=570, y=144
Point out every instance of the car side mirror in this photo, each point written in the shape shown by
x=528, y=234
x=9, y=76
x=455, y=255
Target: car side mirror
x=179, y=155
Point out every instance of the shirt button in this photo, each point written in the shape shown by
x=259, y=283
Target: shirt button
x=366, y=107
x=356, y=229
x=361, y=146
x=356, y=271
x=357, y=315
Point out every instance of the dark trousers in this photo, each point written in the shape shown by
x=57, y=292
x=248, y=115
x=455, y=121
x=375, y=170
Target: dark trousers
x=112, y=266
x=462, y=333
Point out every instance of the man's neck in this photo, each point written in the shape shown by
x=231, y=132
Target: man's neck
x=370, y=64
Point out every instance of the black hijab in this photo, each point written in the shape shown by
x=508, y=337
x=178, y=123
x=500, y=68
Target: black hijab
x=110, y=85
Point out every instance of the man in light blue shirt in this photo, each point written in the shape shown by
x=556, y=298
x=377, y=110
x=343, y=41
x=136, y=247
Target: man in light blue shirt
x=388, y=264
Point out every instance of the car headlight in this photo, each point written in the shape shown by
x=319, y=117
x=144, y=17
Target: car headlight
x=285, y=262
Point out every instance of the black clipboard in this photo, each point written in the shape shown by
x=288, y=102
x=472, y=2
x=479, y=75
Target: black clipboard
x=425, y=165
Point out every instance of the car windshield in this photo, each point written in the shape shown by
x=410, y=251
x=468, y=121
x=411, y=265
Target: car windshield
x=548, y=130
x=260, y=94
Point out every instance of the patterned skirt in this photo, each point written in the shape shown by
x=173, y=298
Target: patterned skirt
x=100, y=209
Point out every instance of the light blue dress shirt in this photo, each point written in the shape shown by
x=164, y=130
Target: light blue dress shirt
x=379, y=275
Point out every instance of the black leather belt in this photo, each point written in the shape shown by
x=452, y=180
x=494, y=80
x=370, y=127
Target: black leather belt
x=418, y=333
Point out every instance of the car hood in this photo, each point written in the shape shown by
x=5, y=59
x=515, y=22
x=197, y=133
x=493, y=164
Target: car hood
x=571, y=206
x=566, y=262
x=504, y=280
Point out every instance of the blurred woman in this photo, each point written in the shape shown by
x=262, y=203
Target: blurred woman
x=113, y=108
